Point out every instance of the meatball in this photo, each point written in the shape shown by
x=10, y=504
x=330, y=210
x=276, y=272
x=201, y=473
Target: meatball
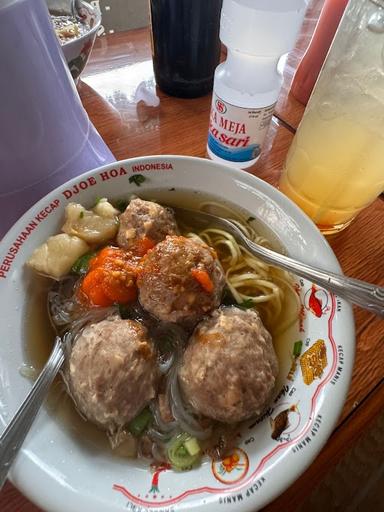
x=180, y=280
x=111, y=372
x=145, y=220
x=230, y=367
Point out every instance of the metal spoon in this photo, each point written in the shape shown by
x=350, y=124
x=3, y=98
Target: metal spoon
x=64, y=7
x=361, y=293
x=13, y=436
x=75, y=6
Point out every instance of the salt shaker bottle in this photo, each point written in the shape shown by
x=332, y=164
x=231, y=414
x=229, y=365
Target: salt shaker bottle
x=246, y=86
x=46, y=136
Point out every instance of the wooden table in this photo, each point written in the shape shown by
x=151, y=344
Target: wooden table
x=116, y=81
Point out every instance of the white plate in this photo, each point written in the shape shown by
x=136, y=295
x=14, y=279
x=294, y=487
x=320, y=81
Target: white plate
x=61, y=473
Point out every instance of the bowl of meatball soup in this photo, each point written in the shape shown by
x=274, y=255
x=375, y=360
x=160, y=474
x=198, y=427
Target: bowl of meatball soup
x=196, y=375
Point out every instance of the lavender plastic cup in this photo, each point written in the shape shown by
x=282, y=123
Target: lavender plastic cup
x=46, y=136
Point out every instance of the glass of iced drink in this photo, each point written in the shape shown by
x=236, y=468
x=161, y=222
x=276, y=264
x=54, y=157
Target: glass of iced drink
x=335, y=166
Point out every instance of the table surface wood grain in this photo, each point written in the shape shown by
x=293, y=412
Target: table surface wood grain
x=116, y=89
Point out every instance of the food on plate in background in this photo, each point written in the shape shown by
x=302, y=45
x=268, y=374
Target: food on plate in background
x=169, y=349
x=68, y=28
x=76, y=33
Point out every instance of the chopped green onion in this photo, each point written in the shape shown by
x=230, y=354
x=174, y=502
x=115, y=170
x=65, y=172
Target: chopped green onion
x=97, y=200
x=121, y=204
x=140, y=423
x=183, y=451
x=247, y=304
x=228, y=299
x=81, y=265
x=192, y=446
x=81, y=214
x=297, y=347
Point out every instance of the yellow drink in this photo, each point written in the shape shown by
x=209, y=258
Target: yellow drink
x=334, y=169
x=335, y=166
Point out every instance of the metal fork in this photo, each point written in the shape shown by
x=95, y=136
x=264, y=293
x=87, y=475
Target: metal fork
x=361, y=293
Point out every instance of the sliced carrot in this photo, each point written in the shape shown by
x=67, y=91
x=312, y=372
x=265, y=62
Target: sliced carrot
x=118, y=291
x=202, y=277
x=143, y=245
x=106, y=254
x=98, y=259
x=92, y=288
x=111, y=278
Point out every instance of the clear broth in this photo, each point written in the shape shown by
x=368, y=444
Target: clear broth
x=39, y=333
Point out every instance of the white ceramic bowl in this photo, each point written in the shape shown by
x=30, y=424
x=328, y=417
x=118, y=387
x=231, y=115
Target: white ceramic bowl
x=77, y=51
x=61, y=472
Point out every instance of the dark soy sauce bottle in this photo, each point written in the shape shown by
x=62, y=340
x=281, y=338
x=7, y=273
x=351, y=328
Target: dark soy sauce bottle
x=185, y=45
